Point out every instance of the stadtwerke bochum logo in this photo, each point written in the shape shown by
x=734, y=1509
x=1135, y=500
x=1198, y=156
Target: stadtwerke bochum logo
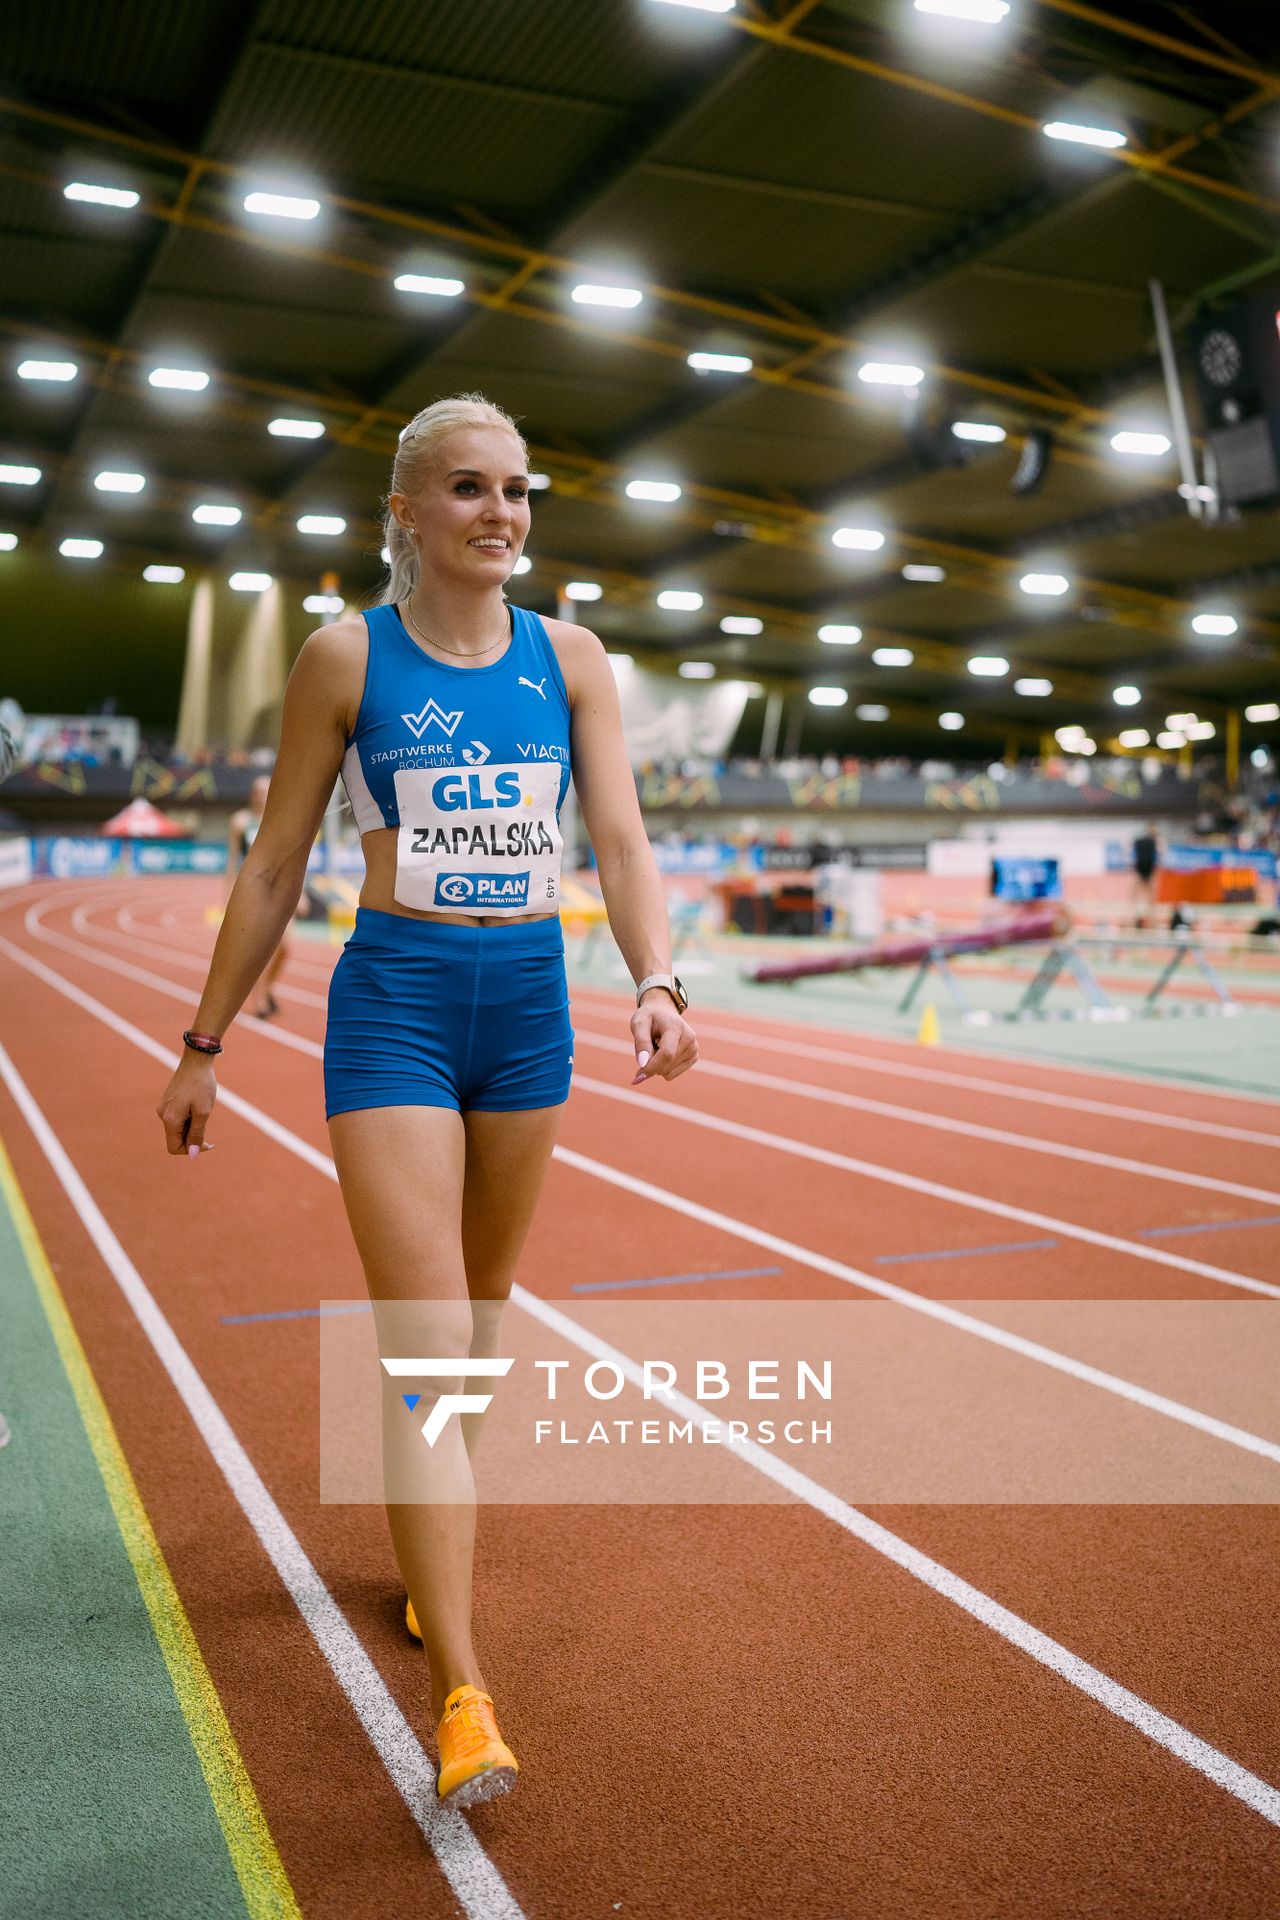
x=431, y=715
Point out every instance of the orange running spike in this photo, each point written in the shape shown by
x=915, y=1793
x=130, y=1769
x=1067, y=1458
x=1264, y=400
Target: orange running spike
x=476, y=1763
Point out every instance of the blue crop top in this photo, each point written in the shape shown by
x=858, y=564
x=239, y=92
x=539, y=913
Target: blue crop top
x=469, y=764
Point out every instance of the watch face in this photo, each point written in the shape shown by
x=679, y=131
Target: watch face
x=682, y=997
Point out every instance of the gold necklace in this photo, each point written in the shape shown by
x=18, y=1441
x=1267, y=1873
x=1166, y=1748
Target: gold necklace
x=462, y=652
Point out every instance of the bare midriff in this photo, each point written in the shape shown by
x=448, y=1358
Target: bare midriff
x=379, y=889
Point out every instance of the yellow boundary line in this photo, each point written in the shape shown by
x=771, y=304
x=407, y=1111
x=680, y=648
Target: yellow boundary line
x=258, y=1866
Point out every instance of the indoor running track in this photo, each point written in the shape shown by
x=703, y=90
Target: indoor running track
x=799, y=1708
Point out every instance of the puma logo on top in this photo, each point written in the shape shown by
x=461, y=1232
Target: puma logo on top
x=418, y=723
x=537, y=685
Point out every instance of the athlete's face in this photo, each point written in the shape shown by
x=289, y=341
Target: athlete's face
x=470, y=511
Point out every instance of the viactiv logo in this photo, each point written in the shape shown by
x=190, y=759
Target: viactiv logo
x=446, y=1403
x=430, y=715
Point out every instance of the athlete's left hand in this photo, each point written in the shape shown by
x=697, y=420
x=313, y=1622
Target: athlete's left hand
x=666, y=1045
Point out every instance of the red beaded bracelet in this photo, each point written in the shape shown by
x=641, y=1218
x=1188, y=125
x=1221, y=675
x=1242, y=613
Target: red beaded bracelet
x=203, y=1042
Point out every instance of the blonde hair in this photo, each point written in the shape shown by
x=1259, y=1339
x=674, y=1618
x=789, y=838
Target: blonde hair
x=417, y=443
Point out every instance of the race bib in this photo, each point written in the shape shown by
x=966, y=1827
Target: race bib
x=479, y=839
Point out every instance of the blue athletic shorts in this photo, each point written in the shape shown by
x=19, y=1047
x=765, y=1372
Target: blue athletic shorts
x=425, y=1013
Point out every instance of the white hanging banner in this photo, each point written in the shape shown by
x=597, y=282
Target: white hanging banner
x=666, y=719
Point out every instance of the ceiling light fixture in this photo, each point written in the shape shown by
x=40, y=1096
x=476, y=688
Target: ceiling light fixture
x=20, y=476
x=282, y=206
x=1135, y=737
x=59, y=370
x=1126, y=696
x=1084, y=136
x=890, y=373
x=587, y=294
x=325, y=523
x=296, y=429
x=679, y=600
x=108, y=482
x=987, y=13
x=323, y=603
x=720, y=363
x=988, y=666
x=100, y=196
x=583, y=590
x=161, y=576
x=838, y=636
x=919, y=574
x=696, y=670
x=249, y=582
x=893, y=656
x=1034, y=689
x=179, y=379
x=827, y=696
x=210, y=514
x=442, y=288
x=1265, y=710
x=858, y=539
x=665, y=490
x=741, y=623
x=76, y=549
x=951, y=722
x=1044, y=583
x=1215, y=623
x=1149, y=444
x=981, y=430
x=872, y=712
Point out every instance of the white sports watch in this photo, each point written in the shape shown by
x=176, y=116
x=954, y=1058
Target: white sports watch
x=671, y=984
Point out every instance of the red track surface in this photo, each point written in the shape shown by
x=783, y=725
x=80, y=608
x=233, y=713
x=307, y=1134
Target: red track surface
x=732, y=1711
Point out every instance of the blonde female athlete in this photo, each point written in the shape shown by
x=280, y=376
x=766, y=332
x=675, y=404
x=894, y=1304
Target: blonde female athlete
x=455, y=721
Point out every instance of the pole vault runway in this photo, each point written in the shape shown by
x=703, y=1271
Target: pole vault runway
x=738, y=1710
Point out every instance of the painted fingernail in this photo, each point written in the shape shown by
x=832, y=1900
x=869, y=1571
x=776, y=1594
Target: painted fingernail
x=642, y=1060
x=192, y=1152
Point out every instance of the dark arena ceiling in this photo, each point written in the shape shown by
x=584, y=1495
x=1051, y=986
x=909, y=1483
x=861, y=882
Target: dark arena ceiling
x=810, y=185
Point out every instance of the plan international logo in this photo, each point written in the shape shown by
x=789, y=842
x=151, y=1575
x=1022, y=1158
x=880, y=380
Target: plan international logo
x=431, y=714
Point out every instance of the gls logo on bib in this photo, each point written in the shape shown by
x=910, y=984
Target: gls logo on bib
x=482, y=890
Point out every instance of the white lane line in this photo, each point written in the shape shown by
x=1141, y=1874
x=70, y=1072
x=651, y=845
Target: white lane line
x=1256, y=1793
x=974, y=1083
x=474, y=1878
x=245, y=1023
x=133, y=943
x=1118, y=1700
x=203, y=948
x=844, y=1163
x=962, y=1129
x=934, y=1189
x=1034, y=1062
x=739, y=1229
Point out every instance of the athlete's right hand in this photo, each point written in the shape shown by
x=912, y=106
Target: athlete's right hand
x=187, y=1103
